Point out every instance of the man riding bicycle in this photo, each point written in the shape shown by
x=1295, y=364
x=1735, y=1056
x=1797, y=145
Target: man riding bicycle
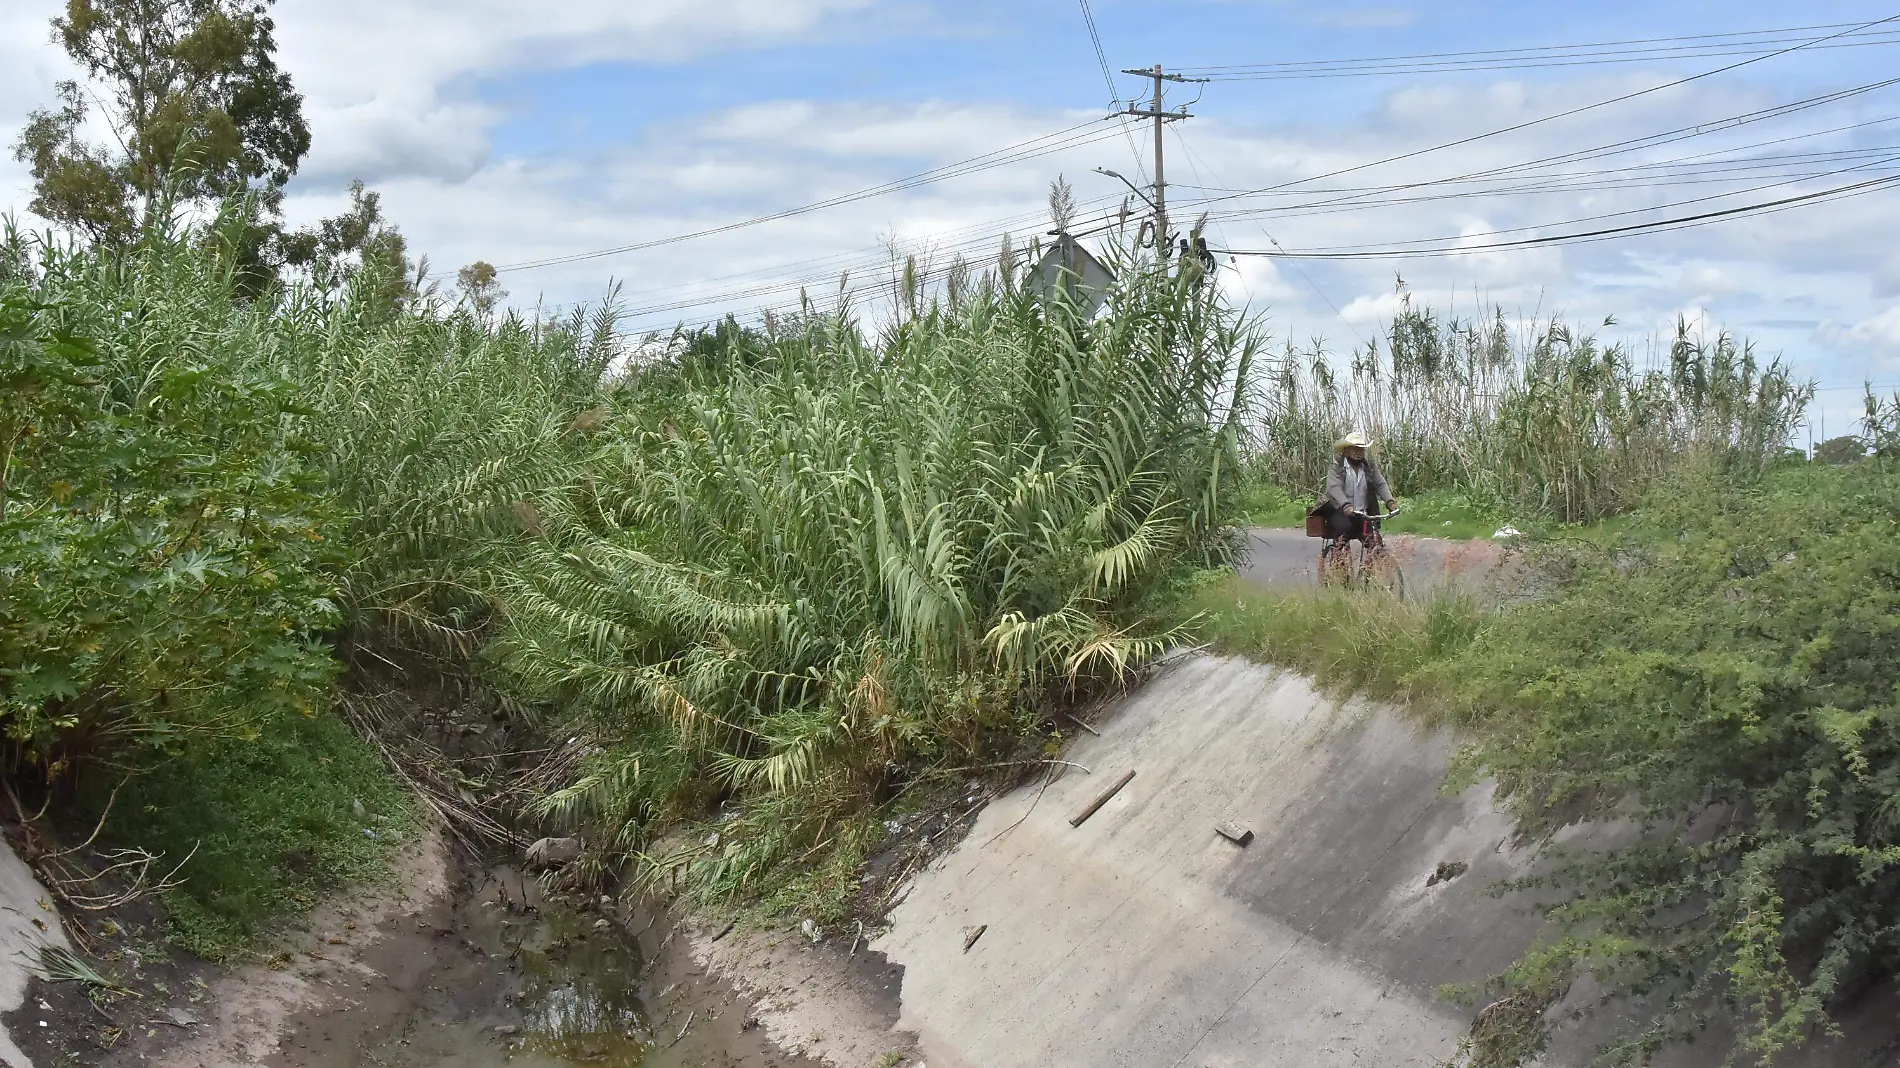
x=1354, y=484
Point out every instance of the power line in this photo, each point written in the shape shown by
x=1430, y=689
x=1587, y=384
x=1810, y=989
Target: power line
x=1512, y=173
x=1039, y=146
x=1682, y=133
x=1656, y=225
x=1635, y=211
x=1114, y=94
x=1577, y=59
x=1361, y=198
x=1494, y=54
x=1740, y=171
x=1513, y=128
x=1295, y=264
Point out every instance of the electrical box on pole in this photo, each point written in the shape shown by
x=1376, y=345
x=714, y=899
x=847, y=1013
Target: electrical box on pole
x=1158, y=112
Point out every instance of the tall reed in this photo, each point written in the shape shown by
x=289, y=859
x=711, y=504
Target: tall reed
x=806, y=567
x=1537, y=416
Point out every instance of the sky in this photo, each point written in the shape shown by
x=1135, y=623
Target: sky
x=515, y=132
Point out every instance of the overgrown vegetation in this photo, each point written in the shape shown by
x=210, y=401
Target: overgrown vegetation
x=168, y=575
x=269, y=823
x=806, y=568
x=776, y=583
x=1724, y=674
x=790, y=570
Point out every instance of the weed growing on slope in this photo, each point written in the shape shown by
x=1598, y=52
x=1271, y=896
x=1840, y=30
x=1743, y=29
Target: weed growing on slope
x=1725, y=674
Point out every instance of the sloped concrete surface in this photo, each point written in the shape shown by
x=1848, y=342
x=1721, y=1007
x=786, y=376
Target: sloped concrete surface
x=1143, y=938
x=23, y=901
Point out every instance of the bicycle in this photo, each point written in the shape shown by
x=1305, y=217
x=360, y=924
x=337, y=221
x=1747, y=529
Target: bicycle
x=1374, y=567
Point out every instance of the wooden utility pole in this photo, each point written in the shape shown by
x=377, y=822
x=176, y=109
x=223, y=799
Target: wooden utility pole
x=1161, y=116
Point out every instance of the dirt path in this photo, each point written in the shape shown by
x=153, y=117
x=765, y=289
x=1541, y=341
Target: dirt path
x=1288, y=558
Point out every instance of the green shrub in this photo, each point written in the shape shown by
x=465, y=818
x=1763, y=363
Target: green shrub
x=269, y=824
x=1723, y=669
x=1730, y=677
x=170, y=557
x=164, y=539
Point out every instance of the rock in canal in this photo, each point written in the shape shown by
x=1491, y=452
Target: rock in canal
x=553, y=853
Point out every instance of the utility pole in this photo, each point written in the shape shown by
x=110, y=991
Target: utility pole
x=1161, y=118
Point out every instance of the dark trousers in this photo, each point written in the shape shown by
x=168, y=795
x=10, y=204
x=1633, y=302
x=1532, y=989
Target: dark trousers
x=1343, y=527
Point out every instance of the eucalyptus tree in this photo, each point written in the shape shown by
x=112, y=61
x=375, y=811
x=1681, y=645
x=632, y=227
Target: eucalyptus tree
x=195, y=103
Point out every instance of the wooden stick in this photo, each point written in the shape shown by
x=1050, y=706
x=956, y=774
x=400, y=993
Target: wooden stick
x=1084, y=726
x=1102, y=800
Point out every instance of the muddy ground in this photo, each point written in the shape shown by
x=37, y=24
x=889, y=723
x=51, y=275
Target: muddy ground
x=497, y=974
x=462, y=963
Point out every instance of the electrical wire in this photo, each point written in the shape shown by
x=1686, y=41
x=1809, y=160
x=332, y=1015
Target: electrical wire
x=1699, y=130
x=1114, y=94
x=1681, y=133
x=1730, y=39
x=1188, y=150
x=1039, y=146
x=1588, y=236
x=1528, y=123
x=1581, y=60
x=1560, y=182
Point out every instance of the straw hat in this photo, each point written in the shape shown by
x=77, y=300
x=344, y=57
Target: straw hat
x=1357, y=439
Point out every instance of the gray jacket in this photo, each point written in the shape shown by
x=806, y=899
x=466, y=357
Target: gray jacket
x=1376, y=489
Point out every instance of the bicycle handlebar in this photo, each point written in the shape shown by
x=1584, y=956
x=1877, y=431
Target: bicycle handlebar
x=1387, y=515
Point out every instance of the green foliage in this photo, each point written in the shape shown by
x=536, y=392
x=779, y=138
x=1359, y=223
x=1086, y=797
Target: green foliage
x=1265, y=503
x=1841, y=450
x=1881, y=424
x=1722, y=672
x=822, y=561
x=269, y=823
x=1728, y=678
x=1538, y=420
x=162, y=534
x=357, y=248
x=169, y=571
x=443, y=439
x=1447, y=513
x=197, y=104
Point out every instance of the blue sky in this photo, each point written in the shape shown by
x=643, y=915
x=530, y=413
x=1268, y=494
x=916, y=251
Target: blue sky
x=510, y=131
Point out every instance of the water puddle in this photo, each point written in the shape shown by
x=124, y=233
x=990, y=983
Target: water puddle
x=499, y=976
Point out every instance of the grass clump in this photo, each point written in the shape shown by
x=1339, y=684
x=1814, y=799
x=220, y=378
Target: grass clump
x=270, y=824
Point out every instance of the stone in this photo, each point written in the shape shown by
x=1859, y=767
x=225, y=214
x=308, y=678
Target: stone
x=553, y=853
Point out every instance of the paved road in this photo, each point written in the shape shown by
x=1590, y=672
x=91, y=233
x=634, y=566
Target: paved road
x=1285, y=558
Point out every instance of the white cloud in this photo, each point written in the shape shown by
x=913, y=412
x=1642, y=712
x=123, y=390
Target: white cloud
x=1876, y=336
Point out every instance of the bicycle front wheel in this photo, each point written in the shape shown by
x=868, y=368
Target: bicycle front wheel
x=1384, y=573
